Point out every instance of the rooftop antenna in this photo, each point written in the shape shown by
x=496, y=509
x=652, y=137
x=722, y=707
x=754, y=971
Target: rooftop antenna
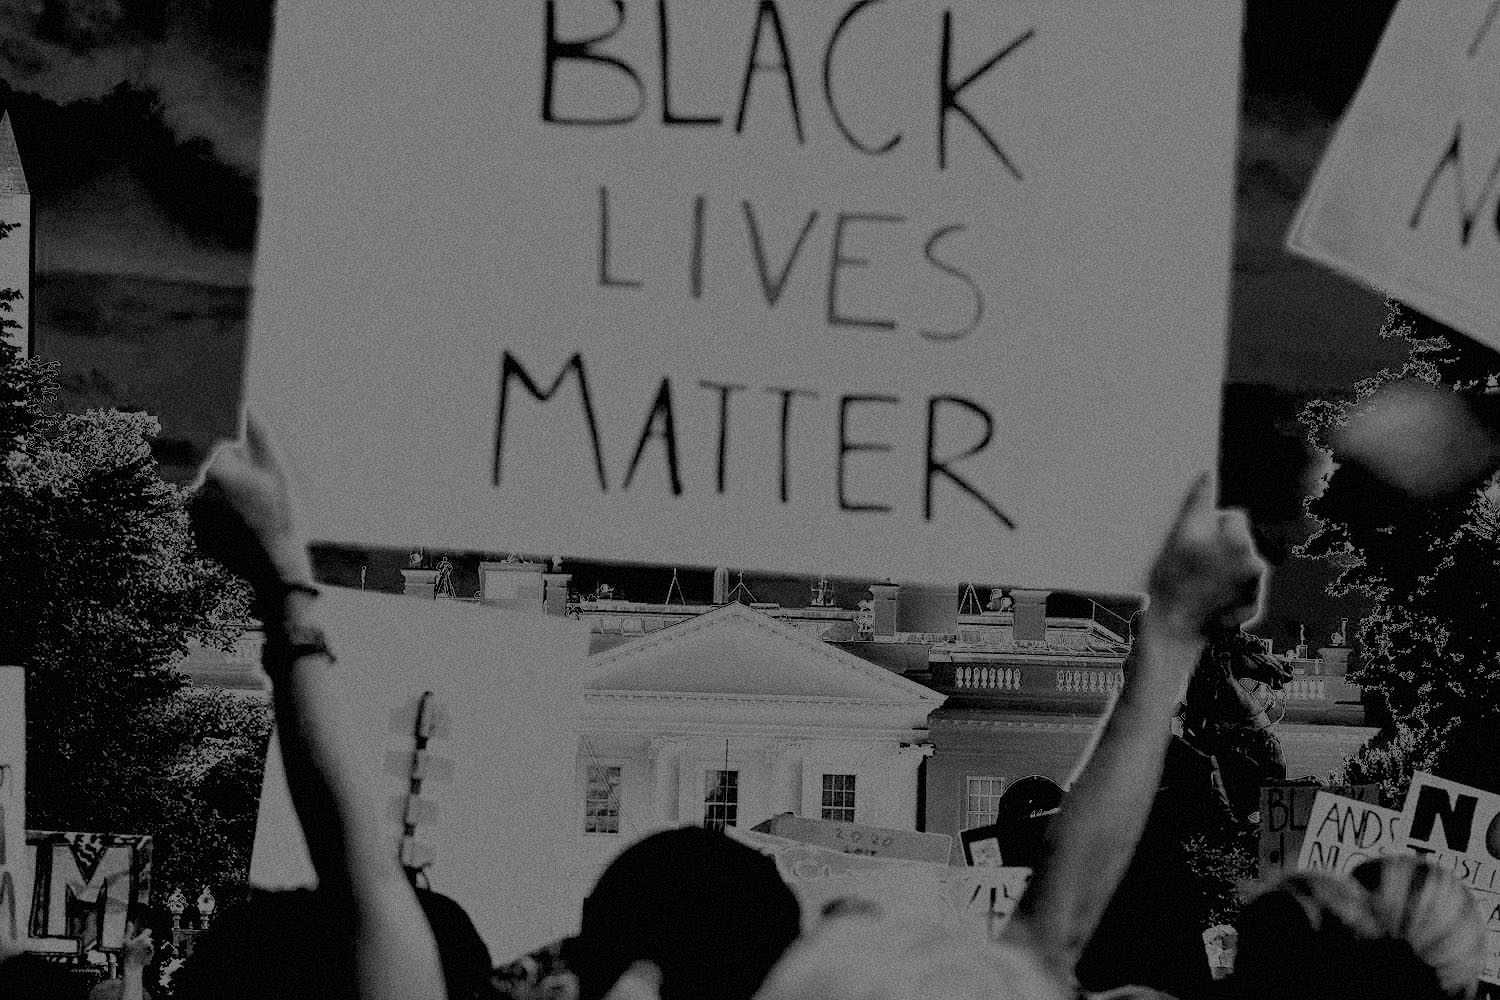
x=675, y=585
x=970, y=604
x=734, y=595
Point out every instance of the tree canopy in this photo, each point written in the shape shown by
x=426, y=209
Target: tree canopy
x=1428, y=565
x=101, y=592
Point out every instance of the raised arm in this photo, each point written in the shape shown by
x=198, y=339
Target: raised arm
x=135, y=955
x=1208, y=572
x=244, y=517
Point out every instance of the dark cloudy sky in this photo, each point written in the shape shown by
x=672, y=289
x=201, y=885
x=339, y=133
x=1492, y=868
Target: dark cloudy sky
x=145, y=208
x=119, y=201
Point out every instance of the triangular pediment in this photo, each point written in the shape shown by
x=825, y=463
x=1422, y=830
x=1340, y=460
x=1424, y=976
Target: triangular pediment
x=738, y=651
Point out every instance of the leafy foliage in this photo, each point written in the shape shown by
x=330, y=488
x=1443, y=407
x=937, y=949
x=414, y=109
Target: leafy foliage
x=1220, y=866
x=1431, y=644
x=101, y=591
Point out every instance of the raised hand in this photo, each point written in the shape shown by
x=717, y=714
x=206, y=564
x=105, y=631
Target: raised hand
x=1208, y=574
x=137, y=950
x=243, y=514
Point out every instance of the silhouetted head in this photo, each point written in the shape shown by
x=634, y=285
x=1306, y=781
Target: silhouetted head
x=1433, y=913
x=1400, y=929
x=293, y=944
x=874, y=958
x=711, y=913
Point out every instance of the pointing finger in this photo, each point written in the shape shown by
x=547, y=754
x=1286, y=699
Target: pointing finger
x=1198, y=503
x=258, y=443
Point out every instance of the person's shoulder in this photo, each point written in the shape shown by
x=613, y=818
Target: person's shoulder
x=1128, y=993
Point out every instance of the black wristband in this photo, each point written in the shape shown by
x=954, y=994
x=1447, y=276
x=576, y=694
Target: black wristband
x=269, y=598
x=285, y=646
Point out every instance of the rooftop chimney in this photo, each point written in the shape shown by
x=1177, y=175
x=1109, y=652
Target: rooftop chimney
x=1030, y=615
x=929, y=608
x=555, y=591
x=885, y=595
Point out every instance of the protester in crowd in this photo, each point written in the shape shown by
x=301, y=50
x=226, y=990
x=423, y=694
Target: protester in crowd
x=292, y=945
x=862, y=957
x=1403, y=930
x=244, y=517
x=1152, y=932
x=1399, y=929
x=1206, y=577
x=712, y=914
x=544, y=974
x=663, y=905
x=1221, y=754
x=136, y=954
x=1207, y=574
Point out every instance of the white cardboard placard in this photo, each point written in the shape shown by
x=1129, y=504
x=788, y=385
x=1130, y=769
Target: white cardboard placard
x=1457, y=827
x=848, y=319
x=1342, y=832
x=1405, y=198
x=500, y=801
x=976, y=899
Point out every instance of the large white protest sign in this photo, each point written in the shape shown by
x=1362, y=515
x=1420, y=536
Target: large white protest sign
x=959, y=898
x=865, y=288
x=15, y=873
x=1406, y=197
x=490, y=801
x=1342, y=832
x=1458, y=827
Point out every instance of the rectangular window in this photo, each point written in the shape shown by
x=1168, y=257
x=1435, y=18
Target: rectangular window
x=721, y=799
x=838, y=797
x=601, y=800
x=981, y=799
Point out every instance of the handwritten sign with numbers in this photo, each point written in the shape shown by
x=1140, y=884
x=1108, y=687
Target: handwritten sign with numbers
x=1342, y=832
x=971, y=898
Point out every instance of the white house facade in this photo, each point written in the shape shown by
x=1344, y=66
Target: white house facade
x=732, y=717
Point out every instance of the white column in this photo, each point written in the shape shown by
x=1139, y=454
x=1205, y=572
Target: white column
x=785, y=760
x=666, y=759
x=903, y=784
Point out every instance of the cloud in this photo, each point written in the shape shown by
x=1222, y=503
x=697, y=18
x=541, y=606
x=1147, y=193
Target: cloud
x=206, y=61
